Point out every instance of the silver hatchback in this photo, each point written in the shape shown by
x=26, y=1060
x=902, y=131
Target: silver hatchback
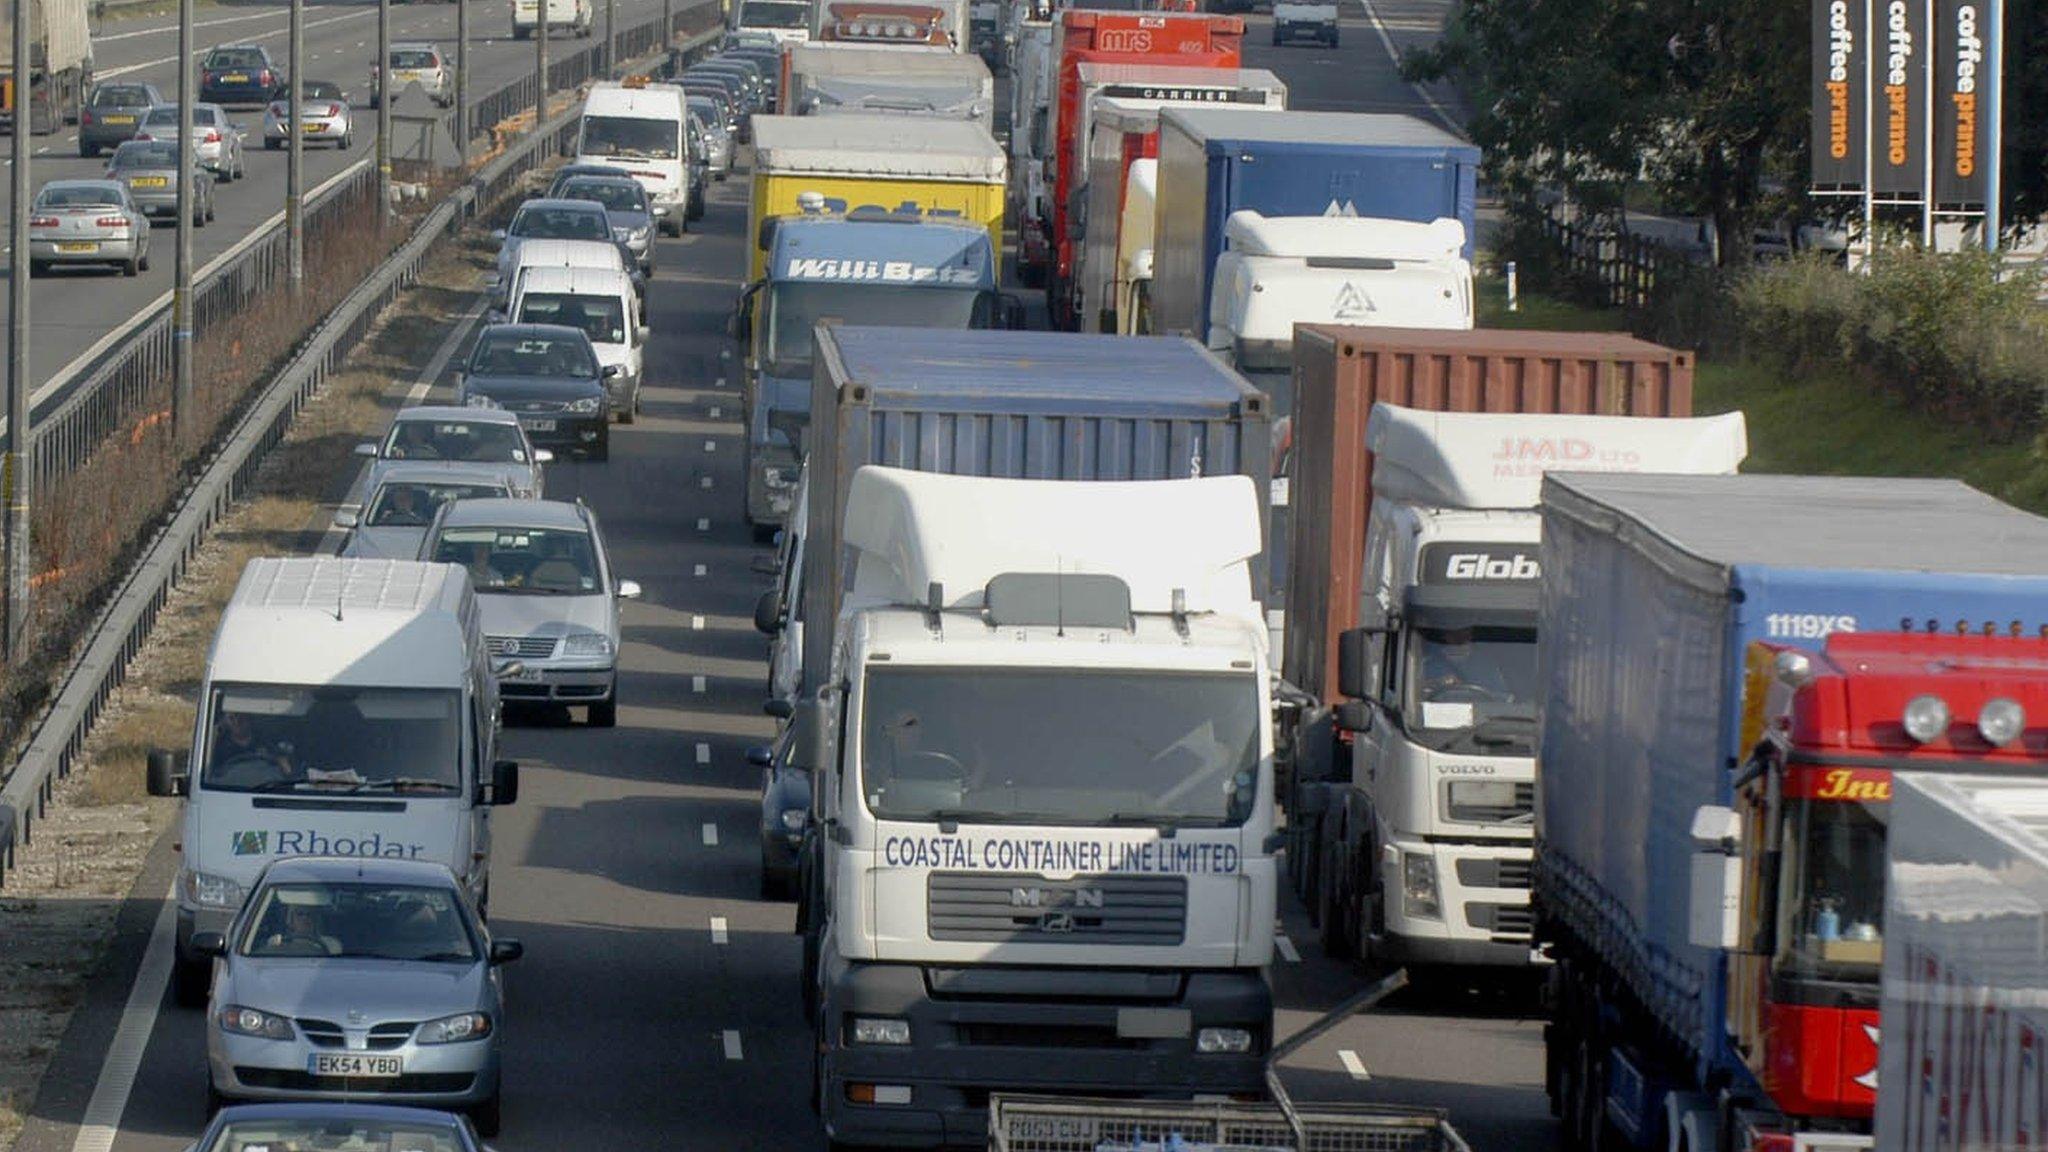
x=358, y=979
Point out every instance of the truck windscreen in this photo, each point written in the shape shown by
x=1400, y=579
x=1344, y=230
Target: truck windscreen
x=1831, y=893
x=794, y=307
x=288, y=738
x=774, y=14
x=1472, y=685
x=1060, y=746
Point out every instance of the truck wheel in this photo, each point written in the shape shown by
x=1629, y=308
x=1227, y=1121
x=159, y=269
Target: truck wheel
x=1588, y=1109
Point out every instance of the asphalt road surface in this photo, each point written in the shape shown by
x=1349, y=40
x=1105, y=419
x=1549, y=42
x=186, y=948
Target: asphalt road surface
x=72, y=309
x=657, y=1005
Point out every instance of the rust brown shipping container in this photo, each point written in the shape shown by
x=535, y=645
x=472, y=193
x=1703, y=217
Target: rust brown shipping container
x=1341, y=372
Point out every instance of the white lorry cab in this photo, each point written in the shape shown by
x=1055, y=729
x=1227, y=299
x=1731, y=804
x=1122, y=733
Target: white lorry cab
x=642, y=128
x=349, y=708
x=1047, y=804
x=600, y=302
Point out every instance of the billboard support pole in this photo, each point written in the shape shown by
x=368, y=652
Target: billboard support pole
x=1870, y=136
x=1994, y=65
x=1926, y=56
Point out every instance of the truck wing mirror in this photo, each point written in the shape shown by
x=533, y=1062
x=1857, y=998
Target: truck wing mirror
x=1714, y=913
x=1354, y=657
x=504, y=782
x=167, y=775
x=1353, y=716
x=807, y=742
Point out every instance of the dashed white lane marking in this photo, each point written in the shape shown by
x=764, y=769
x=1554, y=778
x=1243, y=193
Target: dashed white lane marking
x=703, y=524
x=700, y=570
x=125, y=69
x=718, y=383
x=711, y=445
x=1387, y=42
x=732, y=1044
x=705, y=482
x=718, y=932
x=696, y=623
x=711, y=835
x=102, y=1119
x=1286, y=947
x=1353, y=1064
x=714, y=411
x=704, y=757
x=699, y=684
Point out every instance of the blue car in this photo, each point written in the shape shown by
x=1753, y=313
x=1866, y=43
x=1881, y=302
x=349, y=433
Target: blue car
x=240, y=75
x=336, y=1126
x=785, y=810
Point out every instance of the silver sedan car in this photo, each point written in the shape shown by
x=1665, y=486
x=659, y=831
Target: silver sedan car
x=87, y=222
x=717, y=141
x=392, y=520
x=323, y=117
x=149, y=169
x=357, y=978
x=476, y=437
x=217, y=139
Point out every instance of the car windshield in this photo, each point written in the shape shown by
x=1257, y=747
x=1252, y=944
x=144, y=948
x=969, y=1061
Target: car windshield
x=469, y=441
x=1065, y=747
x=629, y=136
x=793, y=308
x=234, y=58
x=561, y=224
x=533, y=356
x=1477, y=683
x=144, y=154
x=523, y=561
x=121, y=96
x=290, y=738
x=320, y=90
x=602, y=318
x=413, y=58
x=774, y=14
x=337, y=1134
x=363, y=921
x=79, y=196
x=616, y=195
x=405, y=504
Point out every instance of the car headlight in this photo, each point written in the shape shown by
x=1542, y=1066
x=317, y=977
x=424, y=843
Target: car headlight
x=1418, y=885
x=587, y=644
x=587, y=404
x=880, y=1030
x=210, y=891
x=793, y=819
x=1215, y=1040
x=254, y=1022
x=455, y=1029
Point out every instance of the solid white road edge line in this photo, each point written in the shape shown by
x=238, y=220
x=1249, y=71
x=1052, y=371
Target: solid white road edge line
x=732, y=1044
x=1387, y=42
x=102, y=1119
x=1353, y=1064
x=125, y=69
x=711, y=835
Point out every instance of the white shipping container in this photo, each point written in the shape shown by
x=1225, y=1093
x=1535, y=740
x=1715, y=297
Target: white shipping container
x=1964, y=1023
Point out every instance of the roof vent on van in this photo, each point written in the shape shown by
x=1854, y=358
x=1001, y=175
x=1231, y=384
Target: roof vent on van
x=1083, y=600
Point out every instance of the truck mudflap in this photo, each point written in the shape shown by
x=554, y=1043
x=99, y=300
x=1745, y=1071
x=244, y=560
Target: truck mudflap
x=976, y=1032
x=1081, y=1124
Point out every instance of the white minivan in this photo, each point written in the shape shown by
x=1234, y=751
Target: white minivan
x=349, y=708
x=561, y=254
x=576, y=17
x=640, y=127
x=599, y=302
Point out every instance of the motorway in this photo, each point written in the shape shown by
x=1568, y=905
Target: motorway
x=657, y=1005
x=72, y=309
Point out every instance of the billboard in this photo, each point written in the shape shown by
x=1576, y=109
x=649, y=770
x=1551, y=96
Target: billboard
x=1898, y=162
x=1963, y=136
x=1841, y=106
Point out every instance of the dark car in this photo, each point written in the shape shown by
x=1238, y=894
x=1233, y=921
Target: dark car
x=248, y=1126
x=742, y=91
x=728, y=105
x=785, y=810
x=548, y=376
x=240, y=74
x=625, y=202
x=770, y=60
x=113, y=114
x=568, y=172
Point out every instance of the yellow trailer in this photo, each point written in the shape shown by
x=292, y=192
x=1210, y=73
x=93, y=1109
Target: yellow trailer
x=877, y=163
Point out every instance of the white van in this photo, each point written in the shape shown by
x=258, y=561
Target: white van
x=640, y=127
x=349, y=709
x=573, y=16
x=562, y=254
x=602, y=304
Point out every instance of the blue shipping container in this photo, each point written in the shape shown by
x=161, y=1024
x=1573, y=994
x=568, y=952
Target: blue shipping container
x=1024, y=405
x=1654, y=587
x=1215, y=161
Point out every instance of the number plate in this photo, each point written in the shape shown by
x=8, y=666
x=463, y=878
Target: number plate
x=354, y=1065
x=526, y=675
x=311, y=126
x=78, y=246
x=151, y=182
x=117, y=119
x=237, y=78
x=539, y=425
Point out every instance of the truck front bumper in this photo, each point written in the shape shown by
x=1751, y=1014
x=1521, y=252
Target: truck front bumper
x=1482, y=898
x=977, y=1031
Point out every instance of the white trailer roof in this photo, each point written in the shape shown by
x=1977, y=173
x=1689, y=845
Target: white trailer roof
x=866, y=144
x=1452, y=459
x=884, y=60
x=915, y=528
x=1303, y=237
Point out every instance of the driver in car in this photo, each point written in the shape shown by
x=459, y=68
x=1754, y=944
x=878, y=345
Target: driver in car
x=1452, y=670
x=236, y=738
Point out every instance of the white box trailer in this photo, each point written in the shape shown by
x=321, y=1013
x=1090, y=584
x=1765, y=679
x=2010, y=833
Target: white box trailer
x=60, y=62
x=833, y=78
x=1963, y=1054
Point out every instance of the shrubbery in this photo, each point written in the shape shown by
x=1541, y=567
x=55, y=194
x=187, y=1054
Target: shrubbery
x=1950, y=334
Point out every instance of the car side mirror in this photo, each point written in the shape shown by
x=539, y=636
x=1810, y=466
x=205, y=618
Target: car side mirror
x=504, y=782
x=760, y=756
x=629, y=589
x=166, y=772
x=543, y=456
x=642, y=334
x=347, y=519
x=768, y=613
x=498, y=234
x=210, y=943
x=610, y=371
x=367, y=448
x=505, y=951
